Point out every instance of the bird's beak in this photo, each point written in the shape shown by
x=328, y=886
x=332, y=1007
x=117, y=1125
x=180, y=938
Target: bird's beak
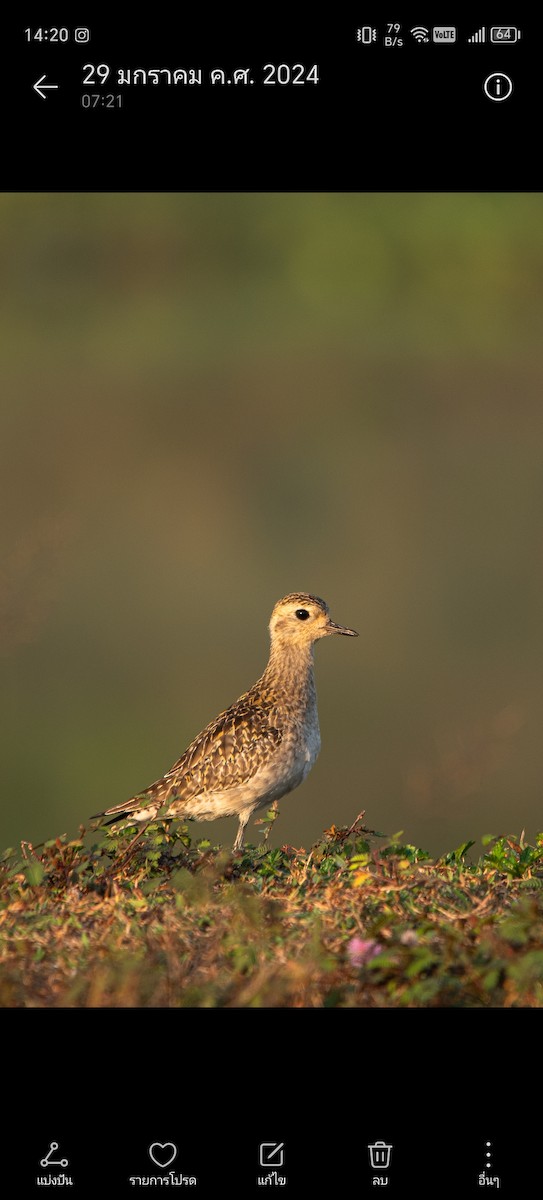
x=333, y=628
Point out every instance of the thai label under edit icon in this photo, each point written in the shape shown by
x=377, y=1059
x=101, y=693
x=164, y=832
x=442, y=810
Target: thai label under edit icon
x=380, y=1156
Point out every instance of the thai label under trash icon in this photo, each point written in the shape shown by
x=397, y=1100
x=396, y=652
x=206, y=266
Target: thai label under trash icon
x=380, y=1155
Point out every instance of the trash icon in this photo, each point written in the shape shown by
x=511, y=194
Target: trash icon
x=380, y=1156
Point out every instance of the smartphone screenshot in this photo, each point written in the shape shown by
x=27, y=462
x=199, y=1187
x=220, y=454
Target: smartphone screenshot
x=271, y=435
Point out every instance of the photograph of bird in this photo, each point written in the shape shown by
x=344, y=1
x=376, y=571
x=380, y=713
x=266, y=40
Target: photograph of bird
x=262, y=746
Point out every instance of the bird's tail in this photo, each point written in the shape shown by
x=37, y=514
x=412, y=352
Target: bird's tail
x=118, y=816
x=137, y=809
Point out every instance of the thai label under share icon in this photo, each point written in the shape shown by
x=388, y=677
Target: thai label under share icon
x=380, y=1156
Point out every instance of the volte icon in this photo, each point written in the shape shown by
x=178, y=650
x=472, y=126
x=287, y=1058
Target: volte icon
x=444, y=34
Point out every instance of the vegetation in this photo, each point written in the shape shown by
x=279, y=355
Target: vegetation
x=152, y=919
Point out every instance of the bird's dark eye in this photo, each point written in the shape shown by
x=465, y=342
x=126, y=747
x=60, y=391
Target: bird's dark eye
x=302, y=614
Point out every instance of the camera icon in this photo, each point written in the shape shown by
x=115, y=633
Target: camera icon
x=81, y=34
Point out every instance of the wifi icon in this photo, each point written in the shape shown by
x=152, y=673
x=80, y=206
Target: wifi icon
x=420, y=34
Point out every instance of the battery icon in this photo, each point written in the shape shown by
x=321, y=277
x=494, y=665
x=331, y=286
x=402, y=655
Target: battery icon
x=504, y=35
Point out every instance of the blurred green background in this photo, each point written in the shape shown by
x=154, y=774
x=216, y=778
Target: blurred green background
x=210, y=400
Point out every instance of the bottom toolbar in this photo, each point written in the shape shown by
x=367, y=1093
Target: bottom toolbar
x=126, y=1164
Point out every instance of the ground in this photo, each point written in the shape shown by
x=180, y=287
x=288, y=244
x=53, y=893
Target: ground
x=358, y=921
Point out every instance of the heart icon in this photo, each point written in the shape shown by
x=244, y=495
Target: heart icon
x=162, y=1153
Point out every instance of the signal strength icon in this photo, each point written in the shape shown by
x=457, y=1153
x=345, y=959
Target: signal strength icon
x=479, y=36
x=420, y=34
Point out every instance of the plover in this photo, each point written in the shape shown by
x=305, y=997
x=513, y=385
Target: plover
x=260, y=748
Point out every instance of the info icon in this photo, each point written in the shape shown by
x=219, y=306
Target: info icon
x=498, y=86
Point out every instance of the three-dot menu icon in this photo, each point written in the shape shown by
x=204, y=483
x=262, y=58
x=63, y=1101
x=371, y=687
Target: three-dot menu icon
x=488, y=1177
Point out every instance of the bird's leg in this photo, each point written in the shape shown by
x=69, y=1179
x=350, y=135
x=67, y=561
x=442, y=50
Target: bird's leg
x=243, y=819
x=274, y=807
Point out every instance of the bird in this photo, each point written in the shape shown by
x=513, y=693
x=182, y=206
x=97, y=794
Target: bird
x=261, y=747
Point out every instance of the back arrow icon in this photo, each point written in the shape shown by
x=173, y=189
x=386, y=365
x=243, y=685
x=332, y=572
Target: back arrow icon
x=39, y=85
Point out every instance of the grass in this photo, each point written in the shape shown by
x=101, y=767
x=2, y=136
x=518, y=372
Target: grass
x=360, y=920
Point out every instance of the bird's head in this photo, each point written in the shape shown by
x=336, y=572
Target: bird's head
x=300, y=619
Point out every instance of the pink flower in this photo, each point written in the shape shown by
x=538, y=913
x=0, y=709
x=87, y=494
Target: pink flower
x=360, y=951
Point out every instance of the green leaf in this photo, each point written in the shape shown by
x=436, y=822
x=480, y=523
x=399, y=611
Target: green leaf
x=34, y=873
x=422, y=961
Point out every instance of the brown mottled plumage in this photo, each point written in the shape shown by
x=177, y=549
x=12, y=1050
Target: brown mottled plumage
x=261, y=747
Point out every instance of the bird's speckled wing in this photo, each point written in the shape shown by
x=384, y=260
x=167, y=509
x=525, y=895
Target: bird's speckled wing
x=226, y=754
x=229, y=751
